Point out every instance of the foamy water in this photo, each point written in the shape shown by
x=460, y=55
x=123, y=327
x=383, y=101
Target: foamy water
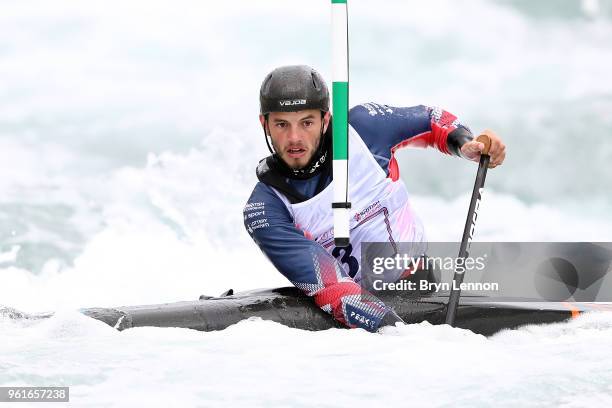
x=255, y=363
x=128, y=142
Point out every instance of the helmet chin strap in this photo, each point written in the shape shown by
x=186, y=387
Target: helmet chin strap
x=266, y=135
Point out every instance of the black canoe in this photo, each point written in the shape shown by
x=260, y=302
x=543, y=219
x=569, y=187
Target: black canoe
x=481, y=314
x=290, y=307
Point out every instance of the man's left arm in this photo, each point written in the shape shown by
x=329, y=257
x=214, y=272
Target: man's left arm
x=385, y=129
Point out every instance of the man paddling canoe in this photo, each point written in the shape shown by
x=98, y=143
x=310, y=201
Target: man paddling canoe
x=289, y=212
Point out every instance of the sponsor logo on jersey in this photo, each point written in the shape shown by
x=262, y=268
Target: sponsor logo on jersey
x=254, y=206
x=257, y=224
x=253, y=216
x=326, y=236
x=375, y=109
x=366, y=211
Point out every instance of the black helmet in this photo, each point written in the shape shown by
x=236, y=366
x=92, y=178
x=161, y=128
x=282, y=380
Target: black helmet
x=293, y=88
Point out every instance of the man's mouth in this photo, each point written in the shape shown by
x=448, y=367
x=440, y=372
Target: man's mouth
x=296, y=152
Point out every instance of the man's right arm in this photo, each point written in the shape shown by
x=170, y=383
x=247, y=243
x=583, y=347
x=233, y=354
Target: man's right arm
x=308, y=265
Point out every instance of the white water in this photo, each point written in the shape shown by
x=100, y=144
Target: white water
x=128, y=141
x=259, y=363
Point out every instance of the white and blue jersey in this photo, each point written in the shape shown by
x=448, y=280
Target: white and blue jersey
x=297, y=236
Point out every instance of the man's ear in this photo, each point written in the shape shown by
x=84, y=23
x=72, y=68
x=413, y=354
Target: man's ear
x=326, y=121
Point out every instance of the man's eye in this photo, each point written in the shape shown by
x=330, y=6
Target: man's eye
x=281, y=125
x=307, y=123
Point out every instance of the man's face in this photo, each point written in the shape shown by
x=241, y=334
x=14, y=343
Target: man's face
x=295, y=135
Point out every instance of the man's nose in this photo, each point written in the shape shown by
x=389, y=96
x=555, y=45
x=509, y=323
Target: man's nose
x=294, y=134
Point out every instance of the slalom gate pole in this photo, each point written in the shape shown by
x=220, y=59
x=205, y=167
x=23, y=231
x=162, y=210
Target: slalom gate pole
x=340, y=88
x=470, y=225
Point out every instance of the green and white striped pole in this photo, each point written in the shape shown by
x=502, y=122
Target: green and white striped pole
x=340, y=63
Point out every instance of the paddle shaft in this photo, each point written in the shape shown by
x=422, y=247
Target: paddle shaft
x=468, y=231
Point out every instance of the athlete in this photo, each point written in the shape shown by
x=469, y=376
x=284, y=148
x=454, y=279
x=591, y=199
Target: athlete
x=289, y=213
